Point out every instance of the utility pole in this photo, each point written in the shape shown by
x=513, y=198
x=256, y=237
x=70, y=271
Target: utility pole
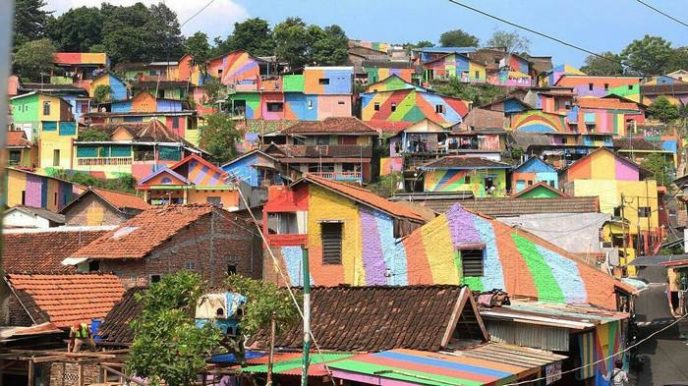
x=623, y=230
x=306, y=318
x=272, y=349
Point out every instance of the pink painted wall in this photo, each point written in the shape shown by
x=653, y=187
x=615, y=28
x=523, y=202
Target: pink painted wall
x=626, y=172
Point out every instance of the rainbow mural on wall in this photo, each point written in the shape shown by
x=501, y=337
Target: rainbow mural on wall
x=375, y=74
x=599, y=345
x=389, y=165
x=603, y=164
x=456, y=66
x=38, y=191
x=236, y=68
x=599, y=86
x=552, y=76
x=535, y=121
x=516, y=261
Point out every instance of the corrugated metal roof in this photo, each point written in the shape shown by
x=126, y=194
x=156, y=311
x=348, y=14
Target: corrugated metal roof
x=529, y=335
x=555, y=315
x=290, y=363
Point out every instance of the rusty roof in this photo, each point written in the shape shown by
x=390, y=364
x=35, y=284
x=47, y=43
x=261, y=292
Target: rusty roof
x=462, y=162
x=66, y=299
x=503, y=207
x=605, y=103
x=115, y=328
x=331, y=125
x=17, y=138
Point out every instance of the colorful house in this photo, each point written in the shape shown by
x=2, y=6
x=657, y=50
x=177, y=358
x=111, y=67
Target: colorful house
x=76, y=97
x=599, y=86
x=350, y=232
x=192, y=180
x=255, y=168
x=118, y=88
x=48, y=121
x=19, y=151
x=557, y=100
x=532, y=172
x=623, y=193
x=394, y=100
x=674, y=90
x=537, y=121
x=605, y=115
x=23, y=187
x=135, y=149
x=539, y=190
x=479, y=176
x=514, y=71
x=78, y=68
x=377, y=70
x=551, y=77
x=454, y=66
x=560, y=149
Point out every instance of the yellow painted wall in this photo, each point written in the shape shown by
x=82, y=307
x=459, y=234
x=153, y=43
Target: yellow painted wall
x=50, y=141
x=230, y=198
x=324, y=205
x=15, y=184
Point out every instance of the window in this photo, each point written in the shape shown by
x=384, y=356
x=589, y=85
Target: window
x=472, y=262
x=590, y=86
x=283, y=223
x=15, y=157
x=55, y=198
x=530, y=182
x=567, y=104
x=275, y=107
x=190, y=266
x=93, y=266
x=175, y=122
x=551, y=184
x=617, y=211
x=46, y=108
x=606, y=86
x=215, y=201
x=394, y=107
x=564, y=140
x=322, y=140
x=477, y=75
x=166, y=180
x=23, y=200
x=376, y=106
x=56, y=157
x=341, y=102
x=310, y=103
x=324, y=81
x=644, y=211
x=331, y=236
x=219, y=72
x=439, y=109
x=154, y=278
x=630, y=87
x=231, y=269
x=467, y=179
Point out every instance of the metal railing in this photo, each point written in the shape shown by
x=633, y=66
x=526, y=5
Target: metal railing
x=340, y=176
x=104, y=161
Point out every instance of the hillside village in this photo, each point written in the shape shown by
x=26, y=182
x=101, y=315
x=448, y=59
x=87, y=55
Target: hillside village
x=449, y=240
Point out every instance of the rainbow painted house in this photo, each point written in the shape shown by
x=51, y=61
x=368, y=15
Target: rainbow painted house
x=357, y=238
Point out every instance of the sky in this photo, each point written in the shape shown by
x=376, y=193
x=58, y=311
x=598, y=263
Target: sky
x=597, y=25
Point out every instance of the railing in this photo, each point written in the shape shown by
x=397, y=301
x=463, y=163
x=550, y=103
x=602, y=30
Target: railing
x=341, y=176
x=100, y=161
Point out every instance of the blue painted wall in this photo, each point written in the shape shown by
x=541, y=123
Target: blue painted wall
x=535, y=165
x=298, y=103
x=119, y=89
x=121, y=107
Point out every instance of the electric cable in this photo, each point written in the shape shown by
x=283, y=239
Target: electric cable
x=659, y=11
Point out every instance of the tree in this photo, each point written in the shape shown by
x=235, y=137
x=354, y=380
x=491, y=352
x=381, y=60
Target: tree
x=219, y=137
x=264, y=301
x=662, y=170
x=124, y=37
x=252, y=35
x=512, y=41
x=478, y=94
x=30, y=21
x=78, y=29
x=33, y=58
x=678, y=60
x=162, y=27
x=458, y=38
x=102, y=93
x=330, y=46
x=167, y=346
x=423, y=44
x=292, y=42
x=608, y=65
x=198, y=47
x=648, y=56
x=663, y=110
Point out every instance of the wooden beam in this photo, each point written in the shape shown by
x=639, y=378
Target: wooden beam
x=128, y=378
x=80, y=371
x=30, y=375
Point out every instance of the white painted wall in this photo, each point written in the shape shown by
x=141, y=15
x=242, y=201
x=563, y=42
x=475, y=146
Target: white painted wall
x=19, y=219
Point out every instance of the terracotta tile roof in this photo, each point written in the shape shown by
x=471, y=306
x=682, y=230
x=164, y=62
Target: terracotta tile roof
x=121, y=200
x=387, y=127
x=377, y=318
x=151, y=131
x=461, y=162
x=116, y=328
x=67, y=299
x=635, y=144
x=331, y=125
x=664, y=89
x=367, y=197
x=43, y=251
x=483, y=119
x=318, y=151
x=140, y=235
x=17, y=139
x=504, y=207
x=605, y=103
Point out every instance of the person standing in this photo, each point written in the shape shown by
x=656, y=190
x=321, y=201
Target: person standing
x=617, y=377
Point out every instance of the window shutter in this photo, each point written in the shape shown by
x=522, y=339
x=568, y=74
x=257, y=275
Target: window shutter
x=472, y=262
x=331, y=234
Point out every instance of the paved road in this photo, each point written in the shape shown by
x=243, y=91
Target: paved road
x=665, y=356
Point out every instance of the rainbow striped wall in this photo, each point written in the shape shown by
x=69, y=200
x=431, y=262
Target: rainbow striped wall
x=535, y=121
x=606, y=121
x=31, y=189
x=516, y=261
x=600, y=86
x=553, y=76
x=599, y=345
x=376, y=74
x=389, y=165
x=603, y=164
x=238, y=67
x=456, y=66
x=412, y=105
x=455, y=181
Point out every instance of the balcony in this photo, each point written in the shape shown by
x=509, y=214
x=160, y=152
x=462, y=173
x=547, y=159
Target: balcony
x=104, y=161
x=356, y=177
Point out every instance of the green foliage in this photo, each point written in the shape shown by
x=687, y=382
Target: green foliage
x=30, y=21
x=219, y=137
x=300, y=44
x=33, y=58
x=167, y=345
x=611, y=66
x=662, y=170
x=102, y=93
x=198, y=47
x=329, y=47
x=479, y=94
x=78, y=29
x=678, y=60
x=512, y=41
x=648, y=56
x=164, y=33
x=458, y=38
x=252, y=35
x=213, y=89
x=663, y=110
x=93, y=135
x=123, y=183
x=423, y=44
x=387, y=185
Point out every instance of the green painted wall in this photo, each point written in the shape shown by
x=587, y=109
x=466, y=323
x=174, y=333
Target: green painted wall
x=292, y=83
x=25, y=110
x=539, y=192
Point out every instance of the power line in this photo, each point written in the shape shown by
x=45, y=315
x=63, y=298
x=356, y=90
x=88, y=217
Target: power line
x=544, y=35
x=659, y=11
x=197, y=13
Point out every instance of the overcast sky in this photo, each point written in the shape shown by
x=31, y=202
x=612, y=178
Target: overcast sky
x=597, y=25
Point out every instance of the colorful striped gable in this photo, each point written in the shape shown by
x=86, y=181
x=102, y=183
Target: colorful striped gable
x=491, y=364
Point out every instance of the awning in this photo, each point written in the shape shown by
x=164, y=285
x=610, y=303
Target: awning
x=660, y=260
x=73, y=260
x=494, y=363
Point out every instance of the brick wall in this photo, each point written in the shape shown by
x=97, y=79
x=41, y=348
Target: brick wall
x=11, y=311
x=90, y=210
x=192, y=249
x=67, y=374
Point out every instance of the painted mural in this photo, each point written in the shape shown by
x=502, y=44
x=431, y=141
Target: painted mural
x=473, y=181
x=552, y=77
x=455, y=66
x=531, y=172
x=600, y=86
x=376, y=74
x=254, y=168
x=118, y=89
x=597, y=349
x=518, y=262
x=39, y=191
x=535, y=121
x=236, y=69
x=389, y=165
